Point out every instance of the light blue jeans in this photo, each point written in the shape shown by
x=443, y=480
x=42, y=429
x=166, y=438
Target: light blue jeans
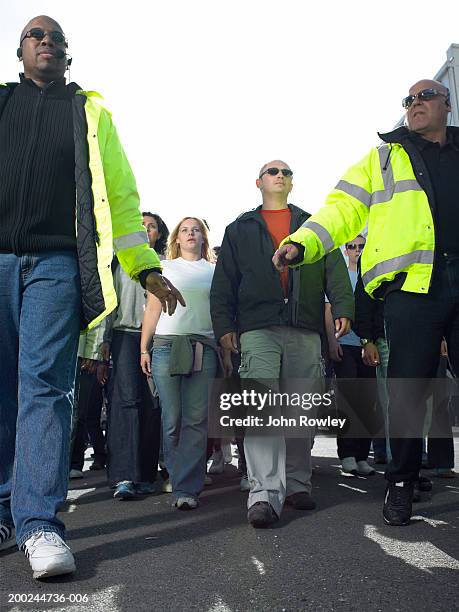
x=184, y=403
x=39, y=327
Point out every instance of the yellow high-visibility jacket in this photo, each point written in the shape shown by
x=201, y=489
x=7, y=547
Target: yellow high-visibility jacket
x=391, y=190
x=107, y=206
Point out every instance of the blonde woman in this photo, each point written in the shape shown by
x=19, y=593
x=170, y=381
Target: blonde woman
x=184, y=359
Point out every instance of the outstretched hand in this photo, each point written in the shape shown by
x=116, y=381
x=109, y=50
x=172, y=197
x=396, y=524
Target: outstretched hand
x=284, y=256
x=164, y=290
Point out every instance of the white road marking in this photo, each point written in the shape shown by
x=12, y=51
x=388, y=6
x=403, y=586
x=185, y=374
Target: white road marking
x=259, y=565
x=76, y=493
x=429, y=521
x=421, y=555
x=220, y=606
x=101, y=601
x=340, y=484
x=73, y=495
x=451, y=487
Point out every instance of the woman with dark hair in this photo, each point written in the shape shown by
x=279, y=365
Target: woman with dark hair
x=157, y=231
x=134, y=418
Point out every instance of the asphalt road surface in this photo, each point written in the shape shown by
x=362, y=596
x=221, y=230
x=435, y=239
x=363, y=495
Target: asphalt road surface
x=145, y=555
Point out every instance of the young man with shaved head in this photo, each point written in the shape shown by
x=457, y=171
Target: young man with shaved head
x=279, y=318
x=67, y=198
x=407, y=190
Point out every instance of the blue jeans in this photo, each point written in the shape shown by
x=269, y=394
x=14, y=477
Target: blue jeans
x=40, y=305
x=184, y=402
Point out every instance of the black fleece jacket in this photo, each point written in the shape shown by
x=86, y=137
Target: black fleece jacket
x=37, y=168
x=246, y=291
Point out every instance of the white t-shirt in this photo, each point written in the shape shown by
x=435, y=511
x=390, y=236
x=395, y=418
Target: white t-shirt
x=193, y=279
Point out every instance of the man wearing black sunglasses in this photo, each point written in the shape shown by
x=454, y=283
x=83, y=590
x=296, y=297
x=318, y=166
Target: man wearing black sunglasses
x=279, y=318
x=67, y=199
x=407, y=190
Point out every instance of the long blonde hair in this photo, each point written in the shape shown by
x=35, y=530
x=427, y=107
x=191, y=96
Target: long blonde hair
x=173, y=249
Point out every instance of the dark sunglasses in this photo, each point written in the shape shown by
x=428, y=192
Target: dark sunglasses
x=275, y=172
x=425, y=95
x=352, y=247
x=39, y=34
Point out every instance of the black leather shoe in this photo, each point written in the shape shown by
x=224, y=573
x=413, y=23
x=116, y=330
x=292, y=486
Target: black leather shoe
x=261, y=514
x=301, y=501
x=398, y=503
x=425, y=484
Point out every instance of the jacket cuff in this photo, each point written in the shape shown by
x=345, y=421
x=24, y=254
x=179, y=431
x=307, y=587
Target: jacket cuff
x=143, y=276
x=299, y=259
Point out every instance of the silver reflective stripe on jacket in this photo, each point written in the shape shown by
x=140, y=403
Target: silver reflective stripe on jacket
x=390, y=185
x=396, y=264
x=129, y=240
x=322, y=233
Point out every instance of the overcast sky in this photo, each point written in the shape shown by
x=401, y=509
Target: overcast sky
x=204, y=92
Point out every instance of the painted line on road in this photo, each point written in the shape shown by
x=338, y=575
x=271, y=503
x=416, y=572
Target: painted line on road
x=421, y=555
x=429, y=521
x=73, y=495
x=341, y=484
x=220, y=606
x=259, y=565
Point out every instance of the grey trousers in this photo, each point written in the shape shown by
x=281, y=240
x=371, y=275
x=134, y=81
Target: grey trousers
x=277, y=465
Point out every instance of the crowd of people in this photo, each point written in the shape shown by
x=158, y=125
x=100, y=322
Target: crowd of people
x=163, y=315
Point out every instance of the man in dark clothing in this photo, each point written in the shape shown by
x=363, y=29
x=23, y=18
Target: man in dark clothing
x=67, y=198
x=407, y=190
x=279, y=319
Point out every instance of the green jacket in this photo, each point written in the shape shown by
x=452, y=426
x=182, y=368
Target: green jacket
x=107, y=206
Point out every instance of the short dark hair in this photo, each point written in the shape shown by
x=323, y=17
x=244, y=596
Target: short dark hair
x=161, y=243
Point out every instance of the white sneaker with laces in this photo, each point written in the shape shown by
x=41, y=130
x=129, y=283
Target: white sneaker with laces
x=48, y=555
x=363, y=469
x=186, y=503
x=7, y=537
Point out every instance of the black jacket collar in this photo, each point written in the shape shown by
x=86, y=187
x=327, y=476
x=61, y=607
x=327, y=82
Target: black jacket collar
x=254, y=213
x=402, y=134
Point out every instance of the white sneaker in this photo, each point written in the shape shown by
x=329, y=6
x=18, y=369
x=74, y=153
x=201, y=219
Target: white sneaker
x=244, y=485
x=75, y=474
x=349, y=465
x=166, y=487
x=207, y=480
x=48, y=555
x=186, y=503
x=217, y=463
x=7, y=537
x=364, y=469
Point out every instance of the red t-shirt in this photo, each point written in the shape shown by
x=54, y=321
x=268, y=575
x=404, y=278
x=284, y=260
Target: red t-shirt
x=278, y=223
